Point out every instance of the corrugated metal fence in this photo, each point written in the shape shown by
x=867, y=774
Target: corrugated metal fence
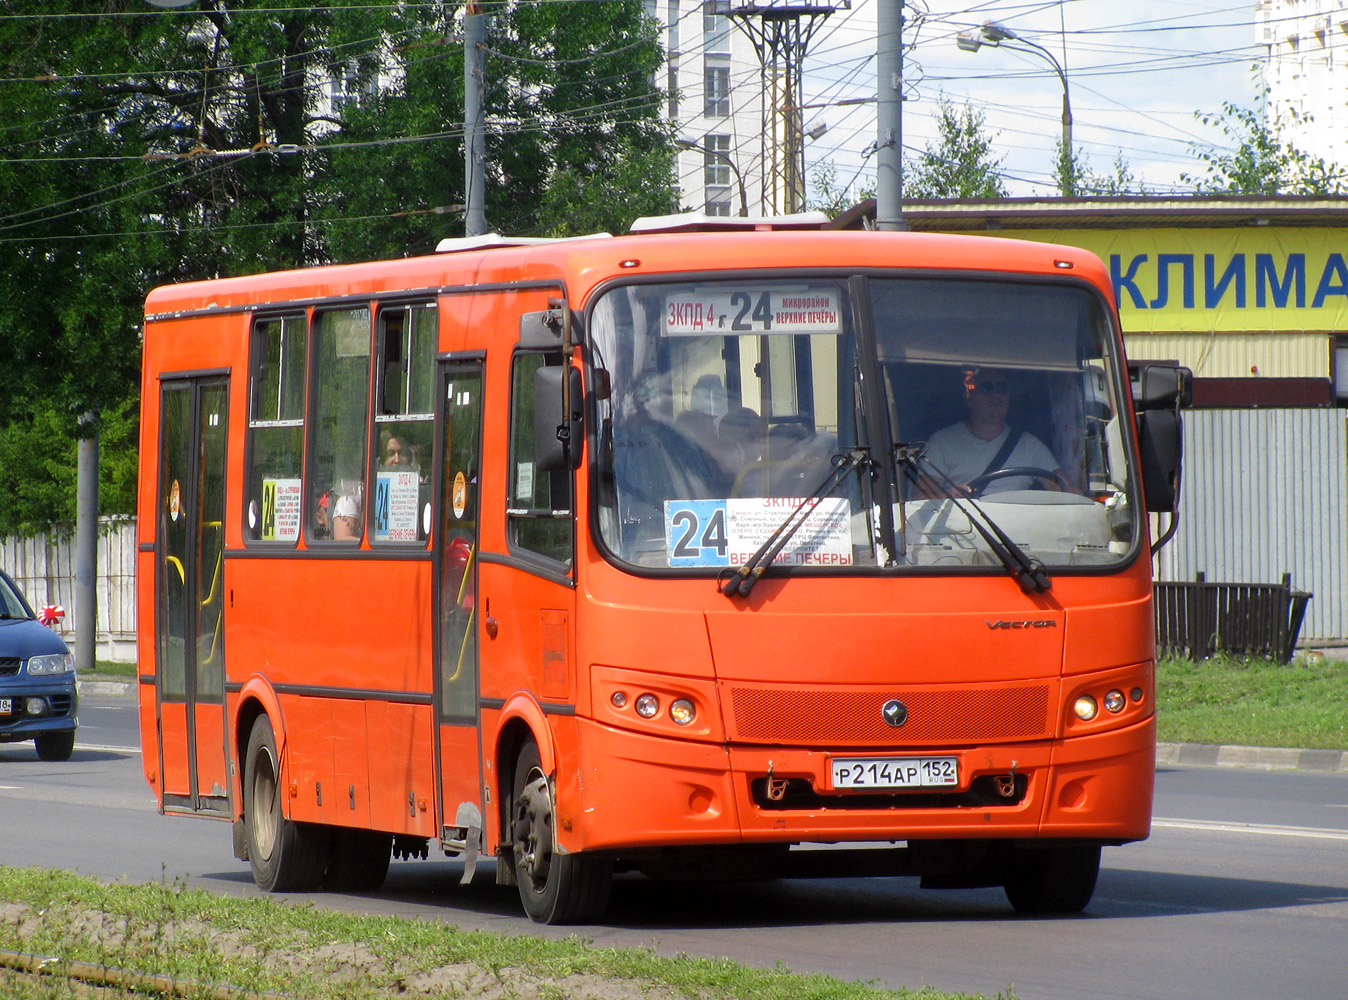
x=44, y=567
x=1266, y=493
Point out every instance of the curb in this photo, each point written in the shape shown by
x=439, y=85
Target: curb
x=1257, y=758
x=114, y=688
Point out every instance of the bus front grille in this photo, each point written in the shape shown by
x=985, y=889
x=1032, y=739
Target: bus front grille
x=852, y=717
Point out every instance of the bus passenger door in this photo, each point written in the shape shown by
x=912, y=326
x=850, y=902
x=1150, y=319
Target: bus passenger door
x=189, y=595
x=458, y=742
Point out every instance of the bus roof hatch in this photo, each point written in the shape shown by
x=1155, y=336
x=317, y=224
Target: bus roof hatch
x=696, y=222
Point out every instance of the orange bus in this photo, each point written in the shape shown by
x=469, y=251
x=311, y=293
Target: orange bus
x=656, y=554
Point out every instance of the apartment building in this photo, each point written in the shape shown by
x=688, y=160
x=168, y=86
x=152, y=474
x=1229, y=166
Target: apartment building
x=1307, y=71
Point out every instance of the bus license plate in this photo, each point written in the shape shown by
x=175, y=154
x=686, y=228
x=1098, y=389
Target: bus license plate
x=893, y=772
x=6, y=706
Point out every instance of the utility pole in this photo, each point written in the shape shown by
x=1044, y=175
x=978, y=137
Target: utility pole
x=86, y=544
x=781, y=34
x=474, y=122
x=889, y=116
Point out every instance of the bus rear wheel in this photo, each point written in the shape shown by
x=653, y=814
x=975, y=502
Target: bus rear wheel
x=359, y=860
x=1052, y=879
x=555, y=888
x=285, y=856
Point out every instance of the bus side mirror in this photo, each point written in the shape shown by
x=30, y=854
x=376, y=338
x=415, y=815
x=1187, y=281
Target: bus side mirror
x=1163, y=387
x=1158, y=443
x=546, y=329
x=557, y=432
x=1160, y=393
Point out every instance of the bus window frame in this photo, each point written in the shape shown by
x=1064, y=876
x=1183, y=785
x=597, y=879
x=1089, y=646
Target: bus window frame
x=346, y=546
x=859, y=308
x=278, y=312
x=377, y=418
x=515, y=424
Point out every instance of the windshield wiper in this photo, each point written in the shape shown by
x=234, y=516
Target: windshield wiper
x=1027, y=571
x=741, y=581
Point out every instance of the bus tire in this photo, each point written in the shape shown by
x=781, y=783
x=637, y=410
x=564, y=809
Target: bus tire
x=554, y=888
x=1052, y=879
x=359, y=860
x=285, y=856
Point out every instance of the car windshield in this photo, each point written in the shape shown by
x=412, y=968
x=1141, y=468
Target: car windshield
x=722, y=405
x=11, y=605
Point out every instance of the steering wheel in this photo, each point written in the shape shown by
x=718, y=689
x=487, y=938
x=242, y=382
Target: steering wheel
x=978, y=484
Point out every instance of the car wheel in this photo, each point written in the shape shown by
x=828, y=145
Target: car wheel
x=55, y=746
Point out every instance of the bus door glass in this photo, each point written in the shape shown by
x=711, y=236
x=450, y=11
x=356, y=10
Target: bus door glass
x=456, y=604
x=190, y=594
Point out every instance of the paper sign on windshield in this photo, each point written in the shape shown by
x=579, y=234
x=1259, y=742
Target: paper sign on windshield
x=727, y=532
x=700, y=312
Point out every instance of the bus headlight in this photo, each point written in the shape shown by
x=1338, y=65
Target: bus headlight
x=1086, y=708
x=682, y=712
x=647, y=706
x=1115, y=702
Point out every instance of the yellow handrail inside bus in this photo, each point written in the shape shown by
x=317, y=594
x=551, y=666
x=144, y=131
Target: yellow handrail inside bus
x=176, y=564
x=468, y=626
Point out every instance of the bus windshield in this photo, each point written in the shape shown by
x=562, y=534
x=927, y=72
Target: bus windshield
x=722, y=405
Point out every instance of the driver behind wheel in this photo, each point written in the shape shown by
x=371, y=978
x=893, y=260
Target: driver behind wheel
x=974, y=449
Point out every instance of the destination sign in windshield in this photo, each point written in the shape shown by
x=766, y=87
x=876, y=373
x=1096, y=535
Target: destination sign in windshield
x=736, y=311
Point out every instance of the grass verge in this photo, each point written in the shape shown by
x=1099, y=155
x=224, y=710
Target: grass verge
x=235, y=948
x=1253, y=702
x=105, y=669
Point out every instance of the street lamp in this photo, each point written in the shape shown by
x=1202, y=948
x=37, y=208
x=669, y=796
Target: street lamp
x=725, y=158
x=994, y=34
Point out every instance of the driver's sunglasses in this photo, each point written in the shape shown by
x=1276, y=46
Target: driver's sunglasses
x=989, y=387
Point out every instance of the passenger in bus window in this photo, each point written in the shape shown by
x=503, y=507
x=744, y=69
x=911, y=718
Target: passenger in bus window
x=322, y=526
x=346, y=517
x=985, y=443
x=397, y=451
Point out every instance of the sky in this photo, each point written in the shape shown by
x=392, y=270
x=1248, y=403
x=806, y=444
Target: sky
x=1139, y=72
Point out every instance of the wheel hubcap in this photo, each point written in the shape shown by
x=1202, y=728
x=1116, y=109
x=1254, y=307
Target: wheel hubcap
x=264, y=805
x=533, y=830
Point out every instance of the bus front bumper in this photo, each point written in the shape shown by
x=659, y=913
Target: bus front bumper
x=637, y=791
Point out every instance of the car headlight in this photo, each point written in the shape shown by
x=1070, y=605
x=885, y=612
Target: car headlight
x=51, y=663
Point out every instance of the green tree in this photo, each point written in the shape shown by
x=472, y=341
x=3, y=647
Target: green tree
x=1262, y=157
x=1076, y=178
x=141, y=146
x=827, y=195
x=960, y=164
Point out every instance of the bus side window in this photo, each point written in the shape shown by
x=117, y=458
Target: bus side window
x=335, y=491
x=276, y=428
x=403, y=424
x=539, y=504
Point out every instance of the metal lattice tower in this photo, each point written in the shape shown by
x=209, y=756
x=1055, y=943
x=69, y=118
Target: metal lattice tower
x=781, y=33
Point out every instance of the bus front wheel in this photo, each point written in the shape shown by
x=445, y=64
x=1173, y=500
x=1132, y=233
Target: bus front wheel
x=1052, y=879
x=285, y=856
x=555, y=888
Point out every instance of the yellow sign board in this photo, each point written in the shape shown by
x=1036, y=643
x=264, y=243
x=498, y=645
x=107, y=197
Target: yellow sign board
x=1199, y=280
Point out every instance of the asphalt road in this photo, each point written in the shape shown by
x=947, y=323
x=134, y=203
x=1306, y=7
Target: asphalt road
x=1242, y=890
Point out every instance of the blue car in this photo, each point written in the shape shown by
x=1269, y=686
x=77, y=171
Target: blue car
x=37, y=680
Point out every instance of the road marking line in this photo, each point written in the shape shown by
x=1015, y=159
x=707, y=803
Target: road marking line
x=11, y=788
x=1256, y=828
x=107, y=749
